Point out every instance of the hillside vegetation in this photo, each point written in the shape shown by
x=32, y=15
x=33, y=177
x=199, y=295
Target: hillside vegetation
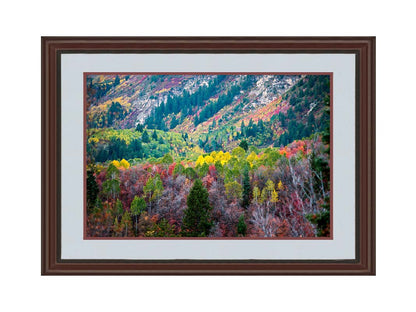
x=208, y=155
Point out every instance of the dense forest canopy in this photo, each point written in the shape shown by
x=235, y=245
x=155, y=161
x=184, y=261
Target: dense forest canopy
x=208, y=155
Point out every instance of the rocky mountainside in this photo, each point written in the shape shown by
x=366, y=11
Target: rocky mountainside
x=214, y=111
x=140, y=94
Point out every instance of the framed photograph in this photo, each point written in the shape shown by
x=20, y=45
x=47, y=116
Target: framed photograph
x=208, y=155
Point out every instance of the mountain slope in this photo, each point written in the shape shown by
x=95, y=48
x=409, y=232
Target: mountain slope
x=216, y=112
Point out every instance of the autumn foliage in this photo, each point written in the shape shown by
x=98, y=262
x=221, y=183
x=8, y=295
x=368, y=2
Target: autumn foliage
x=224, y=160
x=275, y=193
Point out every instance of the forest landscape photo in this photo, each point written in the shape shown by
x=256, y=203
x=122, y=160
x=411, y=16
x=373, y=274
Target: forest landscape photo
x=233, y=156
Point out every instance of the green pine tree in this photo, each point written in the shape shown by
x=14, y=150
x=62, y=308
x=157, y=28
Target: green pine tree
x=145, y=137
x=241, y=226
x=139, y=127
x=92, y=189
x=244, y=145
x=196, y=222
x=246, y=188
x=154, y=135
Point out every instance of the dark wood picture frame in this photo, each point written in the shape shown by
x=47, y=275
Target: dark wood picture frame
x=362, y=47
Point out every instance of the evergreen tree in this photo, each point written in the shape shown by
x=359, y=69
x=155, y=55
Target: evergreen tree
x=196, y=222
x=244, y=145
x=320, y=164
x=260, y=126
x=250, y=123
x=282, y=119
x=246, y=188
x=92, y=189
x=241, y=226
x=136, y=149
x=311, y=119
x=139, y=127
x=243, y=133
x=145, y=137
x=174, y=122
x=291, y=114
x=327, y=131
x=154, y=135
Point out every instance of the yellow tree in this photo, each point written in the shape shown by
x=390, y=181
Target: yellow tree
x=275, y=197
x=269, y=193
x=125, y=164
x=252, y=158
x=233, y=190
x=199, y=161
x=116, y=163
x=256, y=194
x=209, y=160
x=238, y=152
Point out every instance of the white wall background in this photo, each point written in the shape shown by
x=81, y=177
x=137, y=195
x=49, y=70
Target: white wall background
x=22, y=23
